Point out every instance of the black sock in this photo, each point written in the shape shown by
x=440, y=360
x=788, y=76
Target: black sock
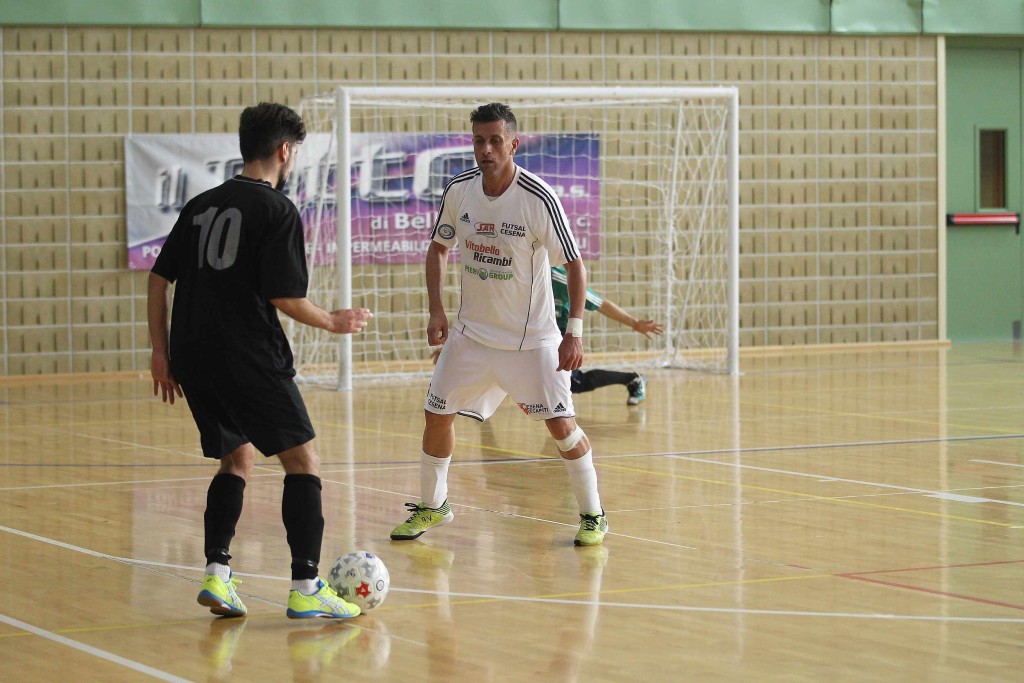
x=223, y=508
x=303, y=522
x=595, y=379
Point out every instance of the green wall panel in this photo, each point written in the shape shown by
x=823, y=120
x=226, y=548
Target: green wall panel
x=100, y=12
x=454, y=14
x=951, y=17
x=876, y=16
x=993, y=17
x=797, y=16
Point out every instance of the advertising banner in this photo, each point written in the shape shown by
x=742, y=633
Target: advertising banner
x=396, y=181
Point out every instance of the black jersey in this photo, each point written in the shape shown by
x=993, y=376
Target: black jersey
x=233, y=249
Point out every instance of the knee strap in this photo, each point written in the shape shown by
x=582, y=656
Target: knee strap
x=568, y=443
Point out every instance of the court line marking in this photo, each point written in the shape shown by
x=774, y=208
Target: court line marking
x=852, y=496
x=132, y=482
x=996, y=462
x=153, y=565
x=681, y=456
x=843, y=575
x=935, y=494
x=811, y=496
x=94, y=651
x=757, y=449
x=933, y=567
x=477, y=598
x=540, y=457
x=825, y=477
x=805, y=410
x=480, y=598
x=800, y=495
x=932, y=591
x=861, y=576
x=835, y=444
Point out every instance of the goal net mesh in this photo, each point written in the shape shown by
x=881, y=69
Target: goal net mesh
x=644, y=180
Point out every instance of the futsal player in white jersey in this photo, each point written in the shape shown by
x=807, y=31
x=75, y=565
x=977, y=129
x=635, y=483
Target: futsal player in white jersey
x=509, y=227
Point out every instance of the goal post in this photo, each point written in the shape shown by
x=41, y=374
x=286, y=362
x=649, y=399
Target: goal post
x=648, y=176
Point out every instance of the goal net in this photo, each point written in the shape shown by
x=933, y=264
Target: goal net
x=647, y=176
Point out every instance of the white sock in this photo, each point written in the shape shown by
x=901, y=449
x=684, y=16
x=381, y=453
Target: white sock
x=306, y=586
x=221, y=570
x=583, y=479
x=434, y=480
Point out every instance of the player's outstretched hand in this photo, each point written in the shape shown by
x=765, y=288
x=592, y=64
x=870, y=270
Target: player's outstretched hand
x=349, y=320
x=648, y=327
x=570, y=353
x=163, y=380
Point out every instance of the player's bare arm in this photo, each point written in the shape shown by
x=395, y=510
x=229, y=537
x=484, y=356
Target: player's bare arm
x=341, y=321
x=437, y=265
x=570, y=351
x=158, y=308
x=618, y=314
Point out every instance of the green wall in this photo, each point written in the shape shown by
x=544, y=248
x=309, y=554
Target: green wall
x=956, y=17
x=101, y=12
x=455, y=14
x=793, y=16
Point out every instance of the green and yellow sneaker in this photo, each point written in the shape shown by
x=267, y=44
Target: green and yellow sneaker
x=421, y=519
x=593, y=526
x=220, y=596
x=324, y=603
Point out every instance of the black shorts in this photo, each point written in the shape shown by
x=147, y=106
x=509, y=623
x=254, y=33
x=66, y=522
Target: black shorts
x=232, y=407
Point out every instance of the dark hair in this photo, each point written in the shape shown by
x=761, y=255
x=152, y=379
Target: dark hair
x=495, y=111
x=263, y=128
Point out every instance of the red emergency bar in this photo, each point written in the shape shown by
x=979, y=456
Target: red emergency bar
x=983, y=219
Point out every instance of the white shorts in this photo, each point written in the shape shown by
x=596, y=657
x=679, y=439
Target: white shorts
x=472, y=380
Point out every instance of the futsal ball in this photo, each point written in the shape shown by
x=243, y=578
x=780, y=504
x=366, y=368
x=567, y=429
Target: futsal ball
x=360, y=577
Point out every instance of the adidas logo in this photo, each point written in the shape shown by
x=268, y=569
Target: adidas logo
x=465, y=218
x=559, y=409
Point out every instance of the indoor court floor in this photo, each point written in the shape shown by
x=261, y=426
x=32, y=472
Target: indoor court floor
x=829, y=515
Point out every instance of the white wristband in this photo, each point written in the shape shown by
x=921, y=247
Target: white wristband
x=574, y=327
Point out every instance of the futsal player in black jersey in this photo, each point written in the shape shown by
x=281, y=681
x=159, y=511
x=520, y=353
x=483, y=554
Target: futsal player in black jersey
x=237, y=256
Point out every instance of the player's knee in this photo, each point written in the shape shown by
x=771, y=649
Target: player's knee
x=238, y=462
x=570, y=442
x=302, y=459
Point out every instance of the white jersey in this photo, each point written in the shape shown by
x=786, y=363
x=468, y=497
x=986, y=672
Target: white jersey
x=504, y=244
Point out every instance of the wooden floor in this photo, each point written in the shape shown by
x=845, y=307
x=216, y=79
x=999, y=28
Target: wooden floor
x=827, y=516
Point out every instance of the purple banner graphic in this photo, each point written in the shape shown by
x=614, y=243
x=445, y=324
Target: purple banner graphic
x=397, y=181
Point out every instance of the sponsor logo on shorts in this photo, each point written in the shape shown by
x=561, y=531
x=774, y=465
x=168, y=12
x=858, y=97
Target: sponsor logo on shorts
x=465, y=218
x=446, y=231
x=559, y=409
x=533, y=408
x=436, y=401
x=513, y=230
x=485, y=229
x=485, y=274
